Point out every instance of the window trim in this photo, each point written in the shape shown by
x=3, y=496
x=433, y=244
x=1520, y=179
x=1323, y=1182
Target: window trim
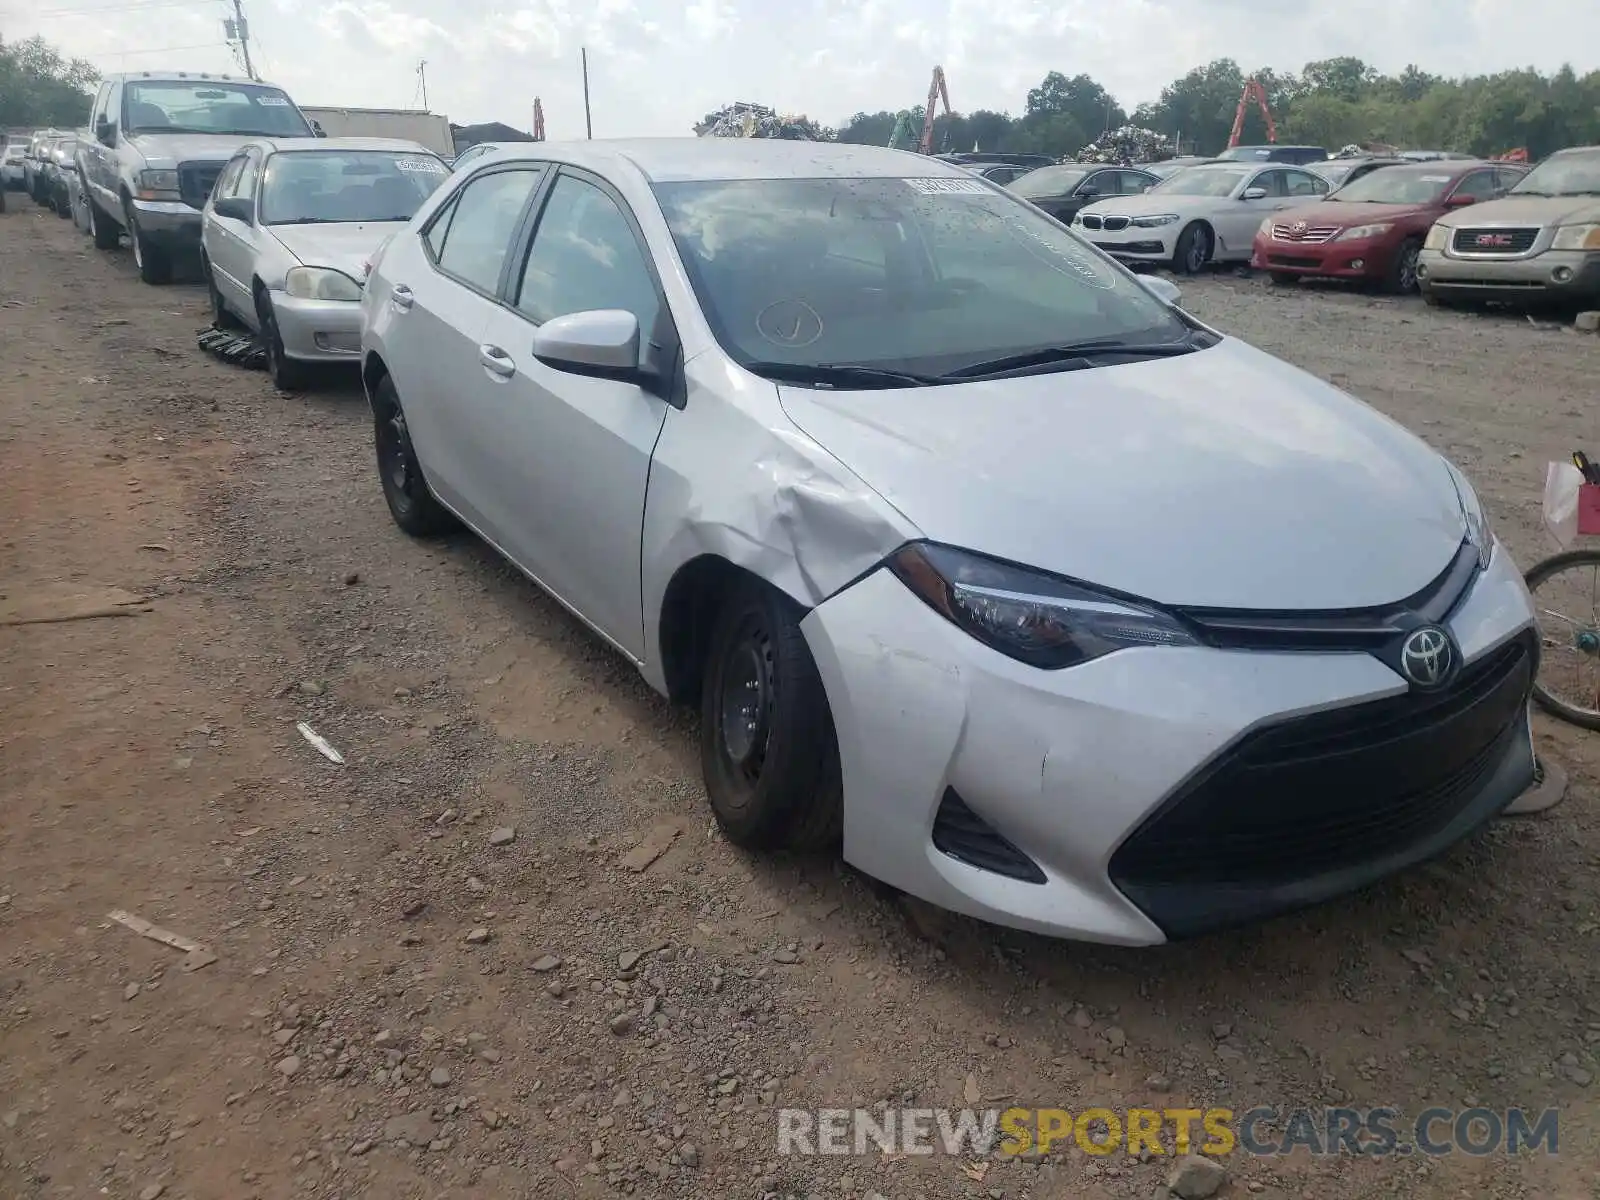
x=542, y=172
x=1494, y=183
x=665, y=354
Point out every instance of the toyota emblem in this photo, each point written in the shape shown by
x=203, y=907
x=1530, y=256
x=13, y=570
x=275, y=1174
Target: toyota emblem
x=1299, y=228
x=1427, y=657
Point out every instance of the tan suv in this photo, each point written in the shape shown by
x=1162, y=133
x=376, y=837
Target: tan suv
x=1539, y=243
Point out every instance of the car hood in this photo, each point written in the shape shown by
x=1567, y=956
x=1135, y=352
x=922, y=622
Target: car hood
x=1223, y=478
x=344, y=247
x=170, y=149
x=1526, y=210
x=1336, y=214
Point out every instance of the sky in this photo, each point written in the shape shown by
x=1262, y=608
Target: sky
x=656, y=67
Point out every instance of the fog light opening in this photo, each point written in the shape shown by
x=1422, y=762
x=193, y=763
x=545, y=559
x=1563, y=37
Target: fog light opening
x=1562, y=275
x=1358, y=264
x=1422, y=270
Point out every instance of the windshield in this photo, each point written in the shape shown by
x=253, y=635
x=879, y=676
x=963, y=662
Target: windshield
x=1049, y=181
x=1563, y=175
x=210, y=106
x=1397, y=185
x=1203, y=181
x=918, y=275
x=1247, y=154
x=311, y=186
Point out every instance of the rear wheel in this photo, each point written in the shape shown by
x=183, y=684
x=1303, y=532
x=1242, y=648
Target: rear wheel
x=64, y=203
x=1193, y=250
x=405, y=488
x=767, y=745
x=221, y=315
x=1402, y=276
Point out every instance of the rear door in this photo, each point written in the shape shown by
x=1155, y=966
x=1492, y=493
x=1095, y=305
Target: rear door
x=446, y=286
x=569, y=458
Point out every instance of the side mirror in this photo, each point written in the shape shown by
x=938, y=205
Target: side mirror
x=235, y=208
x=603, y=342
x=1163, y=290
x=105, y=132
x=1255, y=193
x=1460, y=201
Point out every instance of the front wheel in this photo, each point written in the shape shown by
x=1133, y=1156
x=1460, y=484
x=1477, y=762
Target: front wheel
x=1402, y=277
x=767, y=745
x=102, y=228
x=154, y=265
x=288, y=375
x=1193, y=250
x=1565, y=588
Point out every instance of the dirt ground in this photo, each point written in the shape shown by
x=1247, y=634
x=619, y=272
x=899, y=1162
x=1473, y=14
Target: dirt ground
x=402, y=1008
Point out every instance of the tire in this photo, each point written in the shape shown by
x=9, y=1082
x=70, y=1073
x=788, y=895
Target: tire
x=102, y=228
x=288, y=375
x=1193, y=250
x=1537, y=574
x=221, y=315
x=1283, y=278
x=771, y=766
x=1401, y=279
x=155, y=267
x=405, y=488
x=64, y=204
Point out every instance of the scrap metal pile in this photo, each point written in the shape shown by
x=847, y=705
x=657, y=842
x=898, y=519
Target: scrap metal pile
x=1130, y=144
x=742, y=119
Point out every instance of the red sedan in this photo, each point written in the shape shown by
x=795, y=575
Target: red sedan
x=1371, y=229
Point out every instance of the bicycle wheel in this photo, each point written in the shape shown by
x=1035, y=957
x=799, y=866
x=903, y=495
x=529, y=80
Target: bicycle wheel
x=1566, y=597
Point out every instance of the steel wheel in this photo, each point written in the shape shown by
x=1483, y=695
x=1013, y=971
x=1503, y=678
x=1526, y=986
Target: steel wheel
x=747, y=687
x=405, y=488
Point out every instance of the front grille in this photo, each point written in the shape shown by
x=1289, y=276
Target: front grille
x=1132, y=247
x=1293, y=233
x=1292, y=260
x=1113, y=224
x=967, y=837
x=195, y=181
x=1493, y=241
x=1091, y=221
x=1323, y=794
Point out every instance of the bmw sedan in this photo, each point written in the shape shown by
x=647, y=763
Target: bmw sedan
x=286, y=234
x=976, y=553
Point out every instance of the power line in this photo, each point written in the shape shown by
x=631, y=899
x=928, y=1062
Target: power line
x=109, y=8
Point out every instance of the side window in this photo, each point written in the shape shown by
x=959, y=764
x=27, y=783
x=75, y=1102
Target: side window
x=482, y=224
x=1505, y=178
x=585, y=256
x=98, y=112
x=1480, y=185
x=1134, y=182
x=244, y=185
x=1272, y=182
x=439, y=229
x=1101, y=183
x=1304, y=183
x=114, y=105
x=229, y=177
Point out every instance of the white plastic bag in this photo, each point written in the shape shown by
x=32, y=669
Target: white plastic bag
x=1561, y=483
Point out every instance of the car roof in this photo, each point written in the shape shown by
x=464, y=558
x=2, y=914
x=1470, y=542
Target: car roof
x=184, y=77
x=678, y=160
x=290, y=145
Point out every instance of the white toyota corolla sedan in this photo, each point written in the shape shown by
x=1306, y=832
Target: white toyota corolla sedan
x=1061, y=608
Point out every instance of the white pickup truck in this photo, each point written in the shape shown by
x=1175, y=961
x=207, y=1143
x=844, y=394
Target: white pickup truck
x=160, y=141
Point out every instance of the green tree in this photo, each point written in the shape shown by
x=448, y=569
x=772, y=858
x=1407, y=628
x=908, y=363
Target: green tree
x=39, y=87
x=1092, y=109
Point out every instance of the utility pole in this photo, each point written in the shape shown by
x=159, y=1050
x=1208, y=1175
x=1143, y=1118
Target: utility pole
x=241, y=29
x=588, y=125
x=422, y=81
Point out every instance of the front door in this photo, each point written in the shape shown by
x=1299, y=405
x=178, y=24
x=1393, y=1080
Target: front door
x=572, y=459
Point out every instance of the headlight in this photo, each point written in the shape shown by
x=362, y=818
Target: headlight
x=157, y=185
x=1356, y=232
x=1438, y=237
x=1077, y=217
x=1154, y=222
x=320, y=283
x=1577, y=237
x=1265, y=228
x=1027, y=615
x=1479, y=532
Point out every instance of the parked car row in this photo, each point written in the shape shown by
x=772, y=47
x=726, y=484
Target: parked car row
x=1007, y=674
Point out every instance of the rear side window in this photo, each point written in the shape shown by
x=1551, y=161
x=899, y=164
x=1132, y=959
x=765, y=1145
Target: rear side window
x=481, y=222
x=1480, y=185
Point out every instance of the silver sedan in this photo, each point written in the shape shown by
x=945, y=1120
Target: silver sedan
x=287, y=233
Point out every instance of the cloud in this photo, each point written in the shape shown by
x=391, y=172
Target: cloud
x=655, y=67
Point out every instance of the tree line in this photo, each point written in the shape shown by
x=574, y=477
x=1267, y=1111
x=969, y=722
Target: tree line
x=40, y=88
x=1333, y=102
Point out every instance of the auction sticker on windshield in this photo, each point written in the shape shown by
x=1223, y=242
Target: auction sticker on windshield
x=419, y=166
x=273, y=101
x=1436, y=179
x=945, y=187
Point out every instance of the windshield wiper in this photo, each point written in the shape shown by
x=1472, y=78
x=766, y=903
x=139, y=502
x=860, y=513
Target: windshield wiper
x=841, y=375
x=1071, y=357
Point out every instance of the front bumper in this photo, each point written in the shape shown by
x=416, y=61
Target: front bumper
x=169, y=224
x=940, y=736
x=1136, y=245
x=1554, y=275
x=318, y=330
x=1368, y=258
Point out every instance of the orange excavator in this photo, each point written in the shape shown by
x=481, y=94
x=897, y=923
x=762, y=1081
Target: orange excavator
x=1252, y=91
x=936, y=91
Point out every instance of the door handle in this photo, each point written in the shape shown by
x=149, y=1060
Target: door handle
x=496, y=361
x=402, y=298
